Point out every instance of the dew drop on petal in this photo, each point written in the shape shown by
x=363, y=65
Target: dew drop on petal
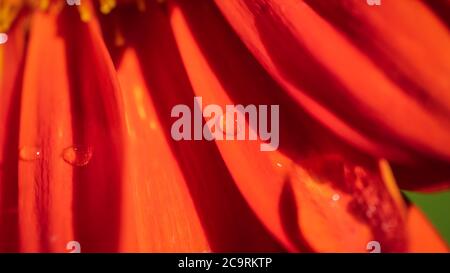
x=279, y=164
x=30, y=153
x=336, y=197
x=3, y=38
x=228, y=124
x=77, y=155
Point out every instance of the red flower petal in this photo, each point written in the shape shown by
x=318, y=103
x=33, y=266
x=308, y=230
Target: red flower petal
x=98, y=165
x=293, y=43
x=45, y=180
x=227, y=220
x=11, y=61
x=158, y=212
x=70, y=100
x=279, y=189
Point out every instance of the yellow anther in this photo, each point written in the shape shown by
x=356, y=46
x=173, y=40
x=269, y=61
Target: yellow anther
x=107, y=5
x=85, y=13
x=391, y=185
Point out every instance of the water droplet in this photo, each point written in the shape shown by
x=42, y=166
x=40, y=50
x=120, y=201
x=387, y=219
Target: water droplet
x=3, y=38
x=77, y=155
x=336, y=197
x=30, y=153
x=279, y=164
x=230, y=128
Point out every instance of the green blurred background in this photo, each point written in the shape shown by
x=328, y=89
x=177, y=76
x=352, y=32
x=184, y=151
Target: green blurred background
x=437, y=208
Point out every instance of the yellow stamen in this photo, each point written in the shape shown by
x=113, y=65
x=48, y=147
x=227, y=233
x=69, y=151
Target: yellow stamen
x=391, y=185
x=107, y=5
x=85, y=13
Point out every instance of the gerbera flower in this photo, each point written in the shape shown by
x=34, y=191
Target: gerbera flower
x=86, y=153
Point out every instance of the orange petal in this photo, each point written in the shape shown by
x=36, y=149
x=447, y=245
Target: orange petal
x=45, y=180
x=158, y=212
x=422, y=235
x=98, y=122
x=227, y=220
x=342, y=207
x=71, y=133
x=243, y=159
